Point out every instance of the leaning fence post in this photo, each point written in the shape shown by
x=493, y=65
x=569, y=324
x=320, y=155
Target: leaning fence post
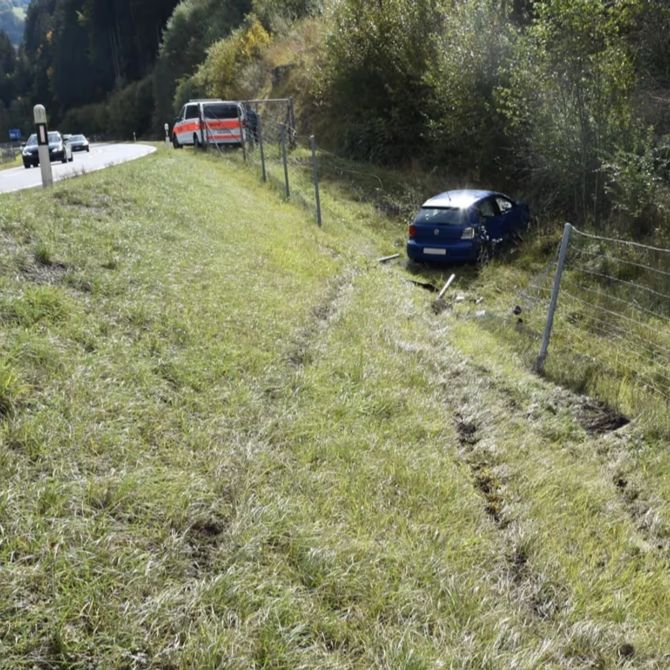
x=259, y=132
x=539, y=363
x=315, y=176
x=285, y=159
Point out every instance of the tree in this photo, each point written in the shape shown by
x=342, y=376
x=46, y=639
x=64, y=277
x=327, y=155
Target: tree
x=377, y=54
x=568, y=102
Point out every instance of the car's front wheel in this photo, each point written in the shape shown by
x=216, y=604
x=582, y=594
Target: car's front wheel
x=485, y=254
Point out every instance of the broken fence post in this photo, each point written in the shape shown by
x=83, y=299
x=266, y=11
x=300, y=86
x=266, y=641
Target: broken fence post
x=440, y=295
x=383, y=259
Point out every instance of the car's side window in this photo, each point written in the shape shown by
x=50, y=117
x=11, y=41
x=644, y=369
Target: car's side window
x=191, y=112
x=180, y=116
x=486, y=209
x=504, y=204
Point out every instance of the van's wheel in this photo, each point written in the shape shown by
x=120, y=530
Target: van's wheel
x=175, y=142
x=196, y=141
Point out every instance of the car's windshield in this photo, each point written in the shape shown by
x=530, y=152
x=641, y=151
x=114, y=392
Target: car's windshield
x=32, y=139
x=77, y=138
x=220, y=111
x=441, y=216
x=54, y=137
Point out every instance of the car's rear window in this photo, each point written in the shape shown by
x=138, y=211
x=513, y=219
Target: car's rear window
x=441, y=216
x=220, y=111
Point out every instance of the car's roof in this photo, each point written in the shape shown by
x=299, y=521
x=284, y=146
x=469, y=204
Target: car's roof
x=460, y=199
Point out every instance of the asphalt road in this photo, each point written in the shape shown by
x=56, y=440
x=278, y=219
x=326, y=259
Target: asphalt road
x=99, y=157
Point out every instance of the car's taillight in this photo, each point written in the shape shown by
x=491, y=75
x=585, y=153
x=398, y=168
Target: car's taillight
x=468, y=233
x=412, y=230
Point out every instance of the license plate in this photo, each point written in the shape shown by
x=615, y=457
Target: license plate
x=435, y=252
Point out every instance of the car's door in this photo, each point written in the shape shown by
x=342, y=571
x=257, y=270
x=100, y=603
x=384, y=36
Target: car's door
x=489, y=217
x=510, y=215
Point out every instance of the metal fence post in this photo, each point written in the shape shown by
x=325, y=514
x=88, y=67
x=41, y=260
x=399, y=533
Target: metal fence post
x=291, y=121
x=259, y=133
x=315, y=176
x=242, y=123
x=539, y=363
x=285, y=159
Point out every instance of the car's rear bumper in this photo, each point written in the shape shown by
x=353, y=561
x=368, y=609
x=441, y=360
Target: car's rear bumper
x=461, y=251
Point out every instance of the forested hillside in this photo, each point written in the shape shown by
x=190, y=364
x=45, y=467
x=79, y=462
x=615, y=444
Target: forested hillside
x=12, y=17
x=565, y=101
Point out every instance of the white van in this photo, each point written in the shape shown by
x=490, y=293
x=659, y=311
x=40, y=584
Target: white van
x=202, y=122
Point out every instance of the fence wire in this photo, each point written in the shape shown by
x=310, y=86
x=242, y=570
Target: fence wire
x=614, y=307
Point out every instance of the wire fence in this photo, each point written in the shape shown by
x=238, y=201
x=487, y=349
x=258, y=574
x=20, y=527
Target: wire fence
x=9, y=152
x=610, y=332
x=616, y=305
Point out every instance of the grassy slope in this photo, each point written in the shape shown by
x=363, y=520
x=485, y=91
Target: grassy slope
x=231, y=439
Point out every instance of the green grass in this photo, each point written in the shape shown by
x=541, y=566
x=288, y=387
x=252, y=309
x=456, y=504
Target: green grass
x=15, y=162
x=232, y=439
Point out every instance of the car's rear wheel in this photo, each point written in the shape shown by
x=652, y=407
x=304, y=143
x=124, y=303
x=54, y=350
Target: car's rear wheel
x=175, y=142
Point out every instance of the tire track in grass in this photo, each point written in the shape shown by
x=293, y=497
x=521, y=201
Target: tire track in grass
x=476, y=426
x=486, y=407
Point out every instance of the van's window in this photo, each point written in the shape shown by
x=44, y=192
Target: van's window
x=191, y=112
x=220, y=111
x=440, y=215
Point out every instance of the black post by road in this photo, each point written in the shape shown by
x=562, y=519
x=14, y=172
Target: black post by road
x=259, y=134
x=315, y=176
x=285, y=159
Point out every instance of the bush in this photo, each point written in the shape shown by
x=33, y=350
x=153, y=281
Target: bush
x=223, y=72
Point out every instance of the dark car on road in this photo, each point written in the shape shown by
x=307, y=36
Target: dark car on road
x=58, y=150
x=78, y=143
x=464, y=225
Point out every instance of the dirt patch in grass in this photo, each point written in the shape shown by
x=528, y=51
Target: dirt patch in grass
x=45, y=274
x=596, y=418
x=203, y=537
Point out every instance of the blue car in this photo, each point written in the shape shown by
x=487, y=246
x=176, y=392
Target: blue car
x=464, y=225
